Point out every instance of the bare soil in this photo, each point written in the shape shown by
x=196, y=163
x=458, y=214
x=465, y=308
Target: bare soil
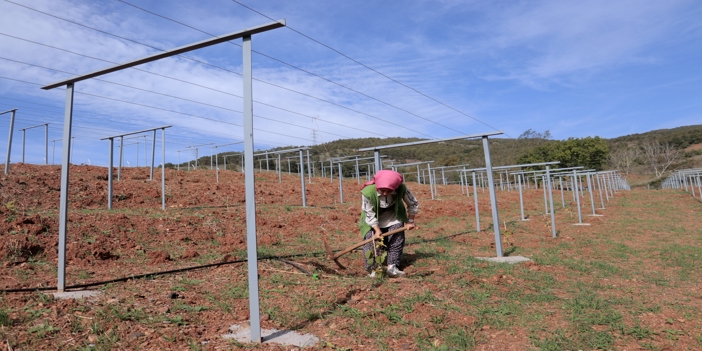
x=634, y=272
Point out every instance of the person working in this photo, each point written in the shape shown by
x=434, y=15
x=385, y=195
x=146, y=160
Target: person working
x=382, y=210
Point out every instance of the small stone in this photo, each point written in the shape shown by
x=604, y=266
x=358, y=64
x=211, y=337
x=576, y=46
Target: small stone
x=135, y=335
x=92, y=338
x=112, y=301
x=163, y=310
x=265, y=317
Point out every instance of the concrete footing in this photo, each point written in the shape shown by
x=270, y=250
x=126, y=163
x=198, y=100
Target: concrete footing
x=242, y=333
x=506, y=259
x=81, y=294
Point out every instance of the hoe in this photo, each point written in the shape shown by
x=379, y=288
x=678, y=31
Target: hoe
x=335, y=257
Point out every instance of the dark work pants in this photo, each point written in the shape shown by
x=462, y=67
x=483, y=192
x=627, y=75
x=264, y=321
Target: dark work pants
x=394, y=244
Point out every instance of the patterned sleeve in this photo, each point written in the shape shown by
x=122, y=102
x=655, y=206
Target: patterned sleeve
x=411, y=201
x=367, y=207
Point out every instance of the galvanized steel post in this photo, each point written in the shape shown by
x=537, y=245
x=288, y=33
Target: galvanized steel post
x=163, y=169
x=550, y=197
x=577, y=197
x=153, y=155
x=341, y=185
x=358, y=174
x=543, y=182
x=599, y=188
x=560, y=181
x=378, y=162
x=23, y=134
x=119, y=167
x=109, y=173
x=63, y=203
x=302, y=180
x=251, y=247
x=431, y=186
x=592, y=198
x=9, y=140
x=477, y=209
x=521, y=199
x=46, y=144
x=309, y=167
x=493, y=198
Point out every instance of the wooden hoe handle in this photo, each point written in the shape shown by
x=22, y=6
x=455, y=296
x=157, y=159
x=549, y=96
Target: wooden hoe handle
x=359, y=244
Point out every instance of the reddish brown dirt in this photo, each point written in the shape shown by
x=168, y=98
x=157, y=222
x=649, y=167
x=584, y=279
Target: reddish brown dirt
x=205, y=223
x=693, y=147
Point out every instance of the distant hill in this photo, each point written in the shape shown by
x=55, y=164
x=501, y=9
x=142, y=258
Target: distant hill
x=503, y=151
x=681, y=137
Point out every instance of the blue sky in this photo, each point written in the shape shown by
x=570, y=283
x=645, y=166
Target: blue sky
x=590, y=68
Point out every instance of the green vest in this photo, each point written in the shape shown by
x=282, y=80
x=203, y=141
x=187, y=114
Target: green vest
x=371, y=194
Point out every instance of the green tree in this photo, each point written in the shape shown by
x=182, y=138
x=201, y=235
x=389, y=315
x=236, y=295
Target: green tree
x=587, y=152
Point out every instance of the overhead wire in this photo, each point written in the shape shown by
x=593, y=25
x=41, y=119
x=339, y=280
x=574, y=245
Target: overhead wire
x=302, y=70
x=80, y=114
x=173, y=139
x=174, y=97
x=367, y=67
x=164, y=109
x=221, y=68
x=227, y=93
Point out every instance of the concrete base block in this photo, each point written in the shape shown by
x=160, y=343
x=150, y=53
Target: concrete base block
x=595, y=215
x=581, y=224
x=82, y=294
x=242, y=333
x=506, y=259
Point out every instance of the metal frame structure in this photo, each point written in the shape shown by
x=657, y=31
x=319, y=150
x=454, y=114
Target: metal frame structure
x=331, y=164
x=53, y=149
x=301, y=168
x=521, y=200
x=245, y=35
x=686, y=180
x=9, y=139
x=488, y=165
x=395, y=167
x=46, y=141
x=197, y=154
x=217, y=157
x=110, y=165
x=339, y=161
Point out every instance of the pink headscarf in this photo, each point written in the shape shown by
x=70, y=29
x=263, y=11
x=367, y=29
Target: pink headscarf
x=385, y=179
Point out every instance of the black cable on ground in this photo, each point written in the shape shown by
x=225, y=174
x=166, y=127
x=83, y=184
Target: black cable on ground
x=186, y=269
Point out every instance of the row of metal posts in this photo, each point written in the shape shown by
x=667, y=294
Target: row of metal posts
x=687, y=179
x=609, y=181
x=9, y=139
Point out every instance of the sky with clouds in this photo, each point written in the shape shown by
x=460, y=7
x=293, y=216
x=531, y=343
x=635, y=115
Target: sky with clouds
x=427, y=69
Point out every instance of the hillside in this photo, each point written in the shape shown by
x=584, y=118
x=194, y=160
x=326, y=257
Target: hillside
x=626, y=153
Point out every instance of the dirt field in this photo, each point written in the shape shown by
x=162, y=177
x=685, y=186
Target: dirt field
x=628, y=281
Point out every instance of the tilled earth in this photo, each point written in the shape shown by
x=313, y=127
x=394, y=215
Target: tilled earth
x=448, y=300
